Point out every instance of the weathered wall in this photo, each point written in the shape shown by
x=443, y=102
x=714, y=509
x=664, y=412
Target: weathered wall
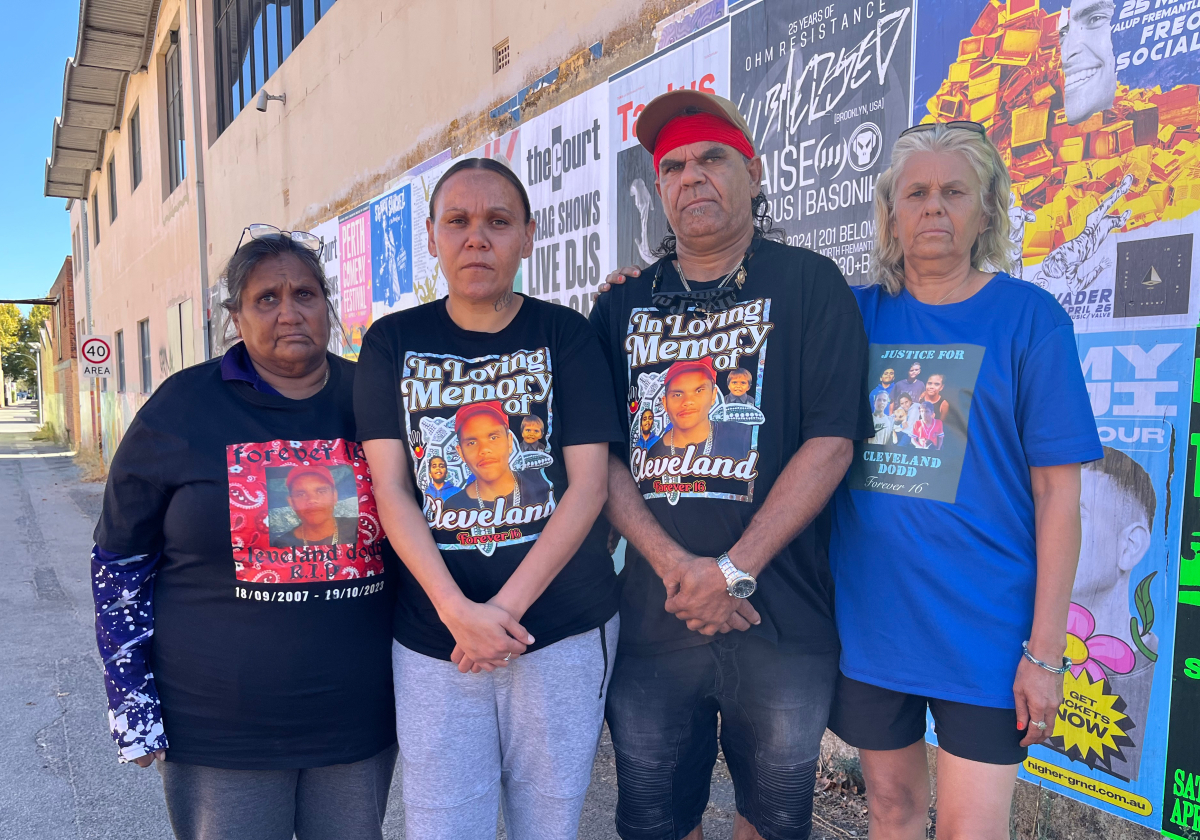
x=377, y=87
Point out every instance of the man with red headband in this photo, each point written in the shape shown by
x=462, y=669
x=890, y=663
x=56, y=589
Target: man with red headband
x=726, y=608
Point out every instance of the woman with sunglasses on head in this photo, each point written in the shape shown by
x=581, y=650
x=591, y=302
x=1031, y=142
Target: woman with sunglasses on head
x=242, y=610
x=972, y=627
x=506, y=624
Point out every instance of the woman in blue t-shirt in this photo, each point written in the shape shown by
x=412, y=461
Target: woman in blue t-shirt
x=973, y=626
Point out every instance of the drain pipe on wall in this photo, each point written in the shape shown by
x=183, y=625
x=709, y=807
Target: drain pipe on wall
x=198, y=146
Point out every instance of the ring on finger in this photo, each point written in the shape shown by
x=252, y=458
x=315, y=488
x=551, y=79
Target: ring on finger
x=1040, y=724
x=508, y=656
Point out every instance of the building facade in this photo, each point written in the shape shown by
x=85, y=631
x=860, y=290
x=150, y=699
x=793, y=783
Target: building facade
x=59, y=370
x=165, y=159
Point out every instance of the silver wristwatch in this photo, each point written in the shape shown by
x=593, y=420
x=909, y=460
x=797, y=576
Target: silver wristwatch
x=737, y=583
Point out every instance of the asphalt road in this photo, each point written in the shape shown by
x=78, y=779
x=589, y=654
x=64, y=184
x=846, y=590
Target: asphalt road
x=60, y=776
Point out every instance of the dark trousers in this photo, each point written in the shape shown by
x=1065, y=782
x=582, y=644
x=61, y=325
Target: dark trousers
x=662, y=712
x=340, y=802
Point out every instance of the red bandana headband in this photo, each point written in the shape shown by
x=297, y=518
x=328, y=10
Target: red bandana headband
x=699, y=128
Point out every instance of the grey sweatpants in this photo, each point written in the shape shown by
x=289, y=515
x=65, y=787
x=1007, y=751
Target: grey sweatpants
x=524, y=735
x=340, y=802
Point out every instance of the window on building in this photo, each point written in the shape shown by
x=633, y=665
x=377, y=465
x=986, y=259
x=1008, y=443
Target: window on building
x=144, y=354
x=176, y=142
x=112, y=189
x=181, y=336
x=500, y=56
x=119, y=341
x=252, y=38
x=96, y=217
x=135, y=148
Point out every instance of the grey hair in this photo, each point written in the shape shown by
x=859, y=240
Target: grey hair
x=992, y=251
x=254, y=253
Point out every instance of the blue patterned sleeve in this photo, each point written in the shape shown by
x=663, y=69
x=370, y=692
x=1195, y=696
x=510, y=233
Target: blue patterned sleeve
x=123, y=589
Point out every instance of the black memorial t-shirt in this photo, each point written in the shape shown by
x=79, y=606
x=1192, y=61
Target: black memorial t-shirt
x=271, y=645
x=715, y=406
x=484, y=418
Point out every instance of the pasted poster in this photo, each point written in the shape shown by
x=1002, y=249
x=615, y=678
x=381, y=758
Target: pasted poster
x=920, y=401
x=479, y=432
x=391, y=250
x=695, y=400
x=428, y=284
x=565, y=169
x=331, y=262
x=302, y=512
x=1181, y=795
x=1099, y=131
x=354, y=243
x=824, y=89
x=1109, y=738
x=697, y=62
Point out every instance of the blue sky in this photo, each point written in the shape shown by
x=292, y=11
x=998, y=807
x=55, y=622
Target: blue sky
x=39, y=38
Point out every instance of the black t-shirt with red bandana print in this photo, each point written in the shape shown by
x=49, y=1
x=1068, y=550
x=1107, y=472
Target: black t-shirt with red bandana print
x=271, y=606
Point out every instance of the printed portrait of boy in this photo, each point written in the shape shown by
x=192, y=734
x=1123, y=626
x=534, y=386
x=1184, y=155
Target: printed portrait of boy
x=485, y=444
x=689, y=394
x=533, y=434
x=439, y=486
x=307, y=506
x=737, y=387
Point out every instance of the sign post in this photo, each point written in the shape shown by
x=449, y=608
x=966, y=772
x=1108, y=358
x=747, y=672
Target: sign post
x=95, y=356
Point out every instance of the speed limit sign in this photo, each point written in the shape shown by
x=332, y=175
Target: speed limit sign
x=95, y=356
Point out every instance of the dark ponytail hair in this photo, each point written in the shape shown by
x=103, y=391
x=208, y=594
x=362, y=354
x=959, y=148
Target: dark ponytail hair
x=490, y=165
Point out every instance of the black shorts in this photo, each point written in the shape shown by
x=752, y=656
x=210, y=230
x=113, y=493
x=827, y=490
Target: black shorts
x=873, y=718
x=662, y=713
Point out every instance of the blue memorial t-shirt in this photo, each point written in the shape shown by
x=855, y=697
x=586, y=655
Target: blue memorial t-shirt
x=933, y=541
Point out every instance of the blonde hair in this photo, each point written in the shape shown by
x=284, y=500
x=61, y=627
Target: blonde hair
x=992, y=251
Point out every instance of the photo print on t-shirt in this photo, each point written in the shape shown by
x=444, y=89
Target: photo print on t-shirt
x=302, y=512
x=479, y=431
x=695, y=400
x=920, y=402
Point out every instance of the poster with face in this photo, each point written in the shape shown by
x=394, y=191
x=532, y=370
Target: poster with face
x=565, y=169
x=302, y=512
x=697, y=62
x=695, y=400
x=354, y=243
x=331, y=262
x=1096, y=111
x=391, y=250
x=479, y=432
x=1109, y=736
x=825, y=91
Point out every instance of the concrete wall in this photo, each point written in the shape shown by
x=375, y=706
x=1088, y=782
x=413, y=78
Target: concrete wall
x=379, y=85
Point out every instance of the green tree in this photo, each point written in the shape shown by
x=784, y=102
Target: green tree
x=16, y=332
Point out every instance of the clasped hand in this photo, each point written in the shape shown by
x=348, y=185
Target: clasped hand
x=697, y=595
x=486, y=636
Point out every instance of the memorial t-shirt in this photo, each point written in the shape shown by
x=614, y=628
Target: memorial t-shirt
x=705, y=457
x=272, y=608
x=933, y=544
x=459, y=401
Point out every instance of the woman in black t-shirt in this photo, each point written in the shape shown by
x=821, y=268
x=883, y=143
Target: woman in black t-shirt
x=242, y=606
x=506, y=617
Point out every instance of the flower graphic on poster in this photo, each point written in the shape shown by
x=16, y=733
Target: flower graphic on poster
x=1089, y=652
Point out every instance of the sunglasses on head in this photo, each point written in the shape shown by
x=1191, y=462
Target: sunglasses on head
x=301, y=237
x=966, y=125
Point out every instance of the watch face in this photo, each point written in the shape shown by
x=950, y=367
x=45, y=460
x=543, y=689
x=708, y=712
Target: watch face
x=742, y=587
